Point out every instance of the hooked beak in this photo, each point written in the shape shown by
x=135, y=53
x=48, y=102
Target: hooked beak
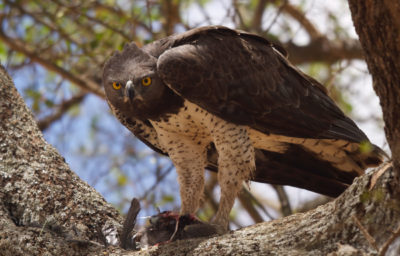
x=129, y=91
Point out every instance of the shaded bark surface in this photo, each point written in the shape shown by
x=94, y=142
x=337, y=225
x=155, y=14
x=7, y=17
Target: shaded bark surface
x=45, y=209
x=377, y=23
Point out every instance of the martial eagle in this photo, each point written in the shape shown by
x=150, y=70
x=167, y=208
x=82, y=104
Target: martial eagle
x=229, y=101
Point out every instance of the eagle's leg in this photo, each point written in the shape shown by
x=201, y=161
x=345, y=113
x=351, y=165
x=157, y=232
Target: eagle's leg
x=190, y=161
x=191, y=188
x=236, y=163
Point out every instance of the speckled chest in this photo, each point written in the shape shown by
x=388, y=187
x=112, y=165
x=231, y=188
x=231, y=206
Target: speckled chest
x=190, y=123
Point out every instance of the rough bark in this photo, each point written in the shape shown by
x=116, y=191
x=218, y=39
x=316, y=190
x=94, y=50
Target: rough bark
x=44, y=206
x=377, y=23
x=46, y=209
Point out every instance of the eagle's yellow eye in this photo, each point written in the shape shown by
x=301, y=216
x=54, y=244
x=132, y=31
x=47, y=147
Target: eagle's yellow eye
x=146, y=81
x=117, y=85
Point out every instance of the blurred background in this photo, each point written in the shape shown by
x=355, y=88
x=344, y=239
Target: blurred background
x=55, y=49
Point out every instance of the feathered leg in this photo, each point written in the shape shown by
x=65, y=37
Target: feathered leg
x=190, y=161
x=235, y=165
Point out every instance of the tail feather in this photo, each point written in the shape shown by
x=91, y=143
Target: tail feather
x=302, y=168
x=375, y=157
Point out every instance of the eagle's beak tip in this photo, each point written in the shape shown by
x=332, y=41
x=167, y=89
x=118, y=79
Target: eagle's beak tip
x=129, y=91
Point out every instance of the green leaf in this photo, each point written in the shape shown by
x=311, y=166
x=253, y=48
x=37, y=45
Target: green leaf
x=122, y=180
x=74, y=110
x=168, y=199
x=49, y=103
x=366, y=147
x=346, y=107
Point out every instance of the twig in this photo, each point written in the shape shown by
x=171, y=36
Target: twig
x=40, y=20
x=385, y=247
x=159, y=178
x=148, y=10
x=278, y=13
x=258, y=204
x=258, y=14
x=378, y=174
x=79, y=80
x=242, y=24
x=286, y=209
x=129, y=224
x=61, y=109
x=365, y=232
x=248, y=205
x=77, y=10
x=115, y=10
x=301, y=18
x=204, y=13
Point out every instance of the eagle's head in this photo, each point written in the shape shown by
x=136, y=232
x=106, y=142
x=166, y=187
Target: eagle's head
x=131, y=83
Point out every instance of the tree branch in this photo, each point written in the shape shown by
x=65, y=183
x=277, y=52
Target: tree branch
x=302, y=19
x=79, y=80
x=171, y=15
x=44, y=206
x=40, y=20
x=238, y=15
x=246, y=201
x=95, y=20
x=323, y=50
x=258, y=15
x=286, y=209
x=60, y=110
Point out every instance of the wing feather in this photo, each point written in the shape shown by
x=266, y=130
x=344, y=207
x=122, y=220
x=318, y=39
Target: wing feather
x=244, y=79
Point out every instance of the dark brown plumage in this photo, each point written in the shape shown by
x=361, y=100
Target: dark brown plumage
x=230, y=101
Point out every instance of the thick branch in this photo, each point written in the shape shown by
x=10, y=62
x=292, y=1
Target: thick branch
x=361, y=221
x=44, y=206
x=378, y=26
x=324, y=50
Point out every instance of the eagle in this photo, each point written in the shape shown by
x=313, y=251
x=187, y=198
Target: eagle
x=230, y=101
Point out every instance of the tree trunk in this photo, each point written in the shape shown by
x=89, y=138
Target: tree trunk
x=377, y=23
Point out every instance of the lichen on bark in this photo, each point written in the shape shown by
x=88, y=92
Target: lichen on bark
x=43, y=202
